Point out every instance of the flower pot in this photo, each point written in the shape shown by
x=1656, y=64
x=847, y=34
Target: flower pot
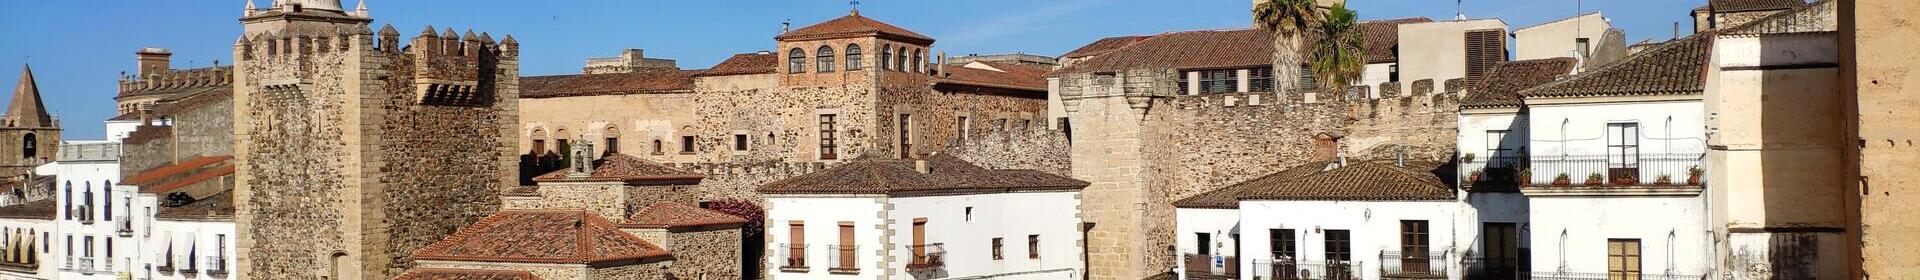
x=1526, y=179
x=1562, y=182
x=1595, y=182
x=1663, y=182
x=1626, y=181
x=1693, y=180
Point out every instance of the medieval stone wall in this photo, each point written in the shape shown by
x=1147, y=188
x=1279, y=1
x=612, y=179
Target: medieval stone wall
x=711, y=253
x=643, y=271
x=296, y=179
x=606, y=199
x=207, y=130
x=13, y=162
x=640, y=197
x=147, y=148
x=1037, y=149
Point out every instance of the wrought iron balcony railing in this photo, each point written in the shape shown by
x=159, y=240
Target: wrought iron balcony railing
x=927, y=257
x=1546, y=275
x=843, y=258
x=216, y=266
x=1681, y=169
x=1413, y=264
x=1206, y=264
x=1306, y=270
x=793, y=257
x=123, y=226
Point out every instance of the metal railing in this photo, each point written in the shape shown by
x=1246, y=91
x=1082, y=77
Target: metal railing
x=843, y=258
x=1204, y=264
x=123, y=226
x=1616, y=170
x=83, y=213
x=1306, y=270
x=1497, y=173
x=216, y=265
x=1547, y=275
x=1413, y=264
x=86, y=265
x=1479, y=267
x=927, y=256
x=793, y=257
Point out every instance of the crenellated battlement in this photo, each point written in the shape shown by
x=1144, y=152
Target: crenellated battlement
x=175, y=79
x=447, y=48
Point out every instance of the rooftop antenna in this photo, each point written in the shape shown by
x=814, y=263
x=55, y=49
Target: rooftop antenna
x=786, y=25
x=1459, y=14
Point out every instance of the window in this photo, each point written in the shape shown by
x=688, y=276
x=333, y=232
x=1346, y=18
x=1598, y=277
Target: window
x=1495, y=139
x=827, y=140
x=1393, y=73
x=917, y=66
x=1203, y=243
x=86, y=246
x=1484, y=49
x=686, y=144
x=1066, y=128
x=797, y=245
x=996, y=249
x=659, y=148
x=845, y=252
x=1306, y=78
x=109, y=251
x=1580, y=47
x=68, y=191
x=906, y=136
x=1339, y=245
x=853, y=57
x=739, y=142
x=1260, y=79
x=29, y=146
x=919, y=245
x=1623, y=150
x=886, y=56
x=1623, y=259
x=900, y=60
x=1183, y=83
x=106, y=202
x=961, y=128
x=539, y=147
x=969, y=214
x=1413, y=246
x=1219, y=81
x=796, y=61
x=613, y=146
x=1033, y=246
x=1283, y=245
x=825, y=59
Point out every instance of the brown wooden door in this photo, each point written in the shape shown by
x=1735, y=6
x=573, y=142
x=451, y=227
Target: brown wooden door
x=1502, y=259
x=846, y=249
x=797, y=249
x=920, y=240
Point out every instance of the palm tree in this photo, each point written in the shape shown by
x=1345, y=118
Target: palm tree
x=1288, y=20
x=1338, y=54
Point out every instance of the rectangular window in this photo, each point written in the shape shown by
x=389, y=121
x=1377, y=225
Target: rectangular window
x=1306, y=78
x=1339, y=245
x=906, y=136
x=1183, y=83
x=846, y=250
x=539, y=147
x=86, y=246
x=613, y=145
x=1283, y=244
x=739, y=142
x=659, y=148
x=1260, y=79
x=1219, y=81
x=962, y=126
x=1623, y=259
x=1393, y=73
x=1495, y=138
x=996, y=249
x=1580, y=46
x=1413, y=246
x=686, y=144
x=1203, y=243
x=796, y=244
x=827, y=140
x=1623, y=150
x=109, y=251
x=919, y=245
x=1033, y=246
x=969, y=214
x=1484, y=49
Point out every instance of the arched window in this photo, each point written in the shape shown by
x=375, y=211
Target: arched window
x=659, y=148
x=796, y=61
x=613, y=141
x=825, y=57
x=886, y=56
x=28, y=146
x=538, y=141
x=917, y=66
x=900, y=59
x=853, y=57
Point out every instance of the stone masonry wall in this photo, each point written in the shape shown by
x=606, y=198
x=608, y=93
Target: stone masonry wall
x=1037, y=149
x=712, y=253
x=296, y=182
x=605, y=199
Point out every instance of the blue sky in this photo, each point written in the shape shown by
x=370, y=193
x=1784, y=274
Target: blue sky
x=78, y=48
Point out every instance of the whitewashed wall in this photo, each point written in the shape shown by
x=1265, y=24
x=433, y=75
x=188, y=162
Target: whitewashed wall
x=822, y=215
x=1373, y=75
x=78, y=177
x=204, y=237
x=1221, y=224
x=1375, y=227
x=1666, y=127
x=1570, y=233
x=39, y=229
x=1054, y=216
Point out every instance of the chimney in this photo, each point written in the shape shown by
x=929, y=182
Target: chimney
x=786, y=26
x=153, y=60
x=942, y=68
x=920, y=165
x=146, y=116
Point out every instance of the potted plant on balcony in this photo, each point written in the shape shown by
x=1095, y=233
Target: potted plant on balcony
x=1693, y=175
x=1626, y=180
x=1467, y=158
x=1562, y=179
x=1475, y=175
x=1526, y=176
x=1594, y=179
x=1663, y=180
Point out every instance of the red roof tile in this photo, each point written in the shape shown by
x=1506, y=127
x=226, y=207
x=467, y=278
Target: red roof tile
x=1674, y=68
x=606, y=84
x=892, y=176
x=1229, y=197
x=1501, y=87
x=1186, y=50
x=1726, y=6
x=745, y=64
x=1360, y=181
x=675, y=215
x=152, y=175
x=196, y=178
x=1381, y=37
x=1010, y=76
x=215, y=207
x=854, y=25
x=1104, y=45
x=624, y=168
x=465, y=274
x=543, y=236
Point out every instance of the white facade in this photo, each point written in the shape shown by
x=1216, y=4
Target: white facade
x=1220, y=228
x=1669, y=129
x=1572, y=230
x=197, y=249
x=89, y=241
x=36, y=231
x=1377, y=73
x=959, y=229
x=1374, y=229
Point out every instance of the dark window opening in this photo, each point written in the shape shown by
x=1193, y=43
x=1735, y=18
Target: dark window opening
x=686, y=144
x=828, y=144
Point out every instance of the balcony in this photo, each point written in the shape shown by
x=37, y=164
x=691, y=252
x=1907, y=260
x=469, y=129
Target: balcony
x=1497, y=173
x=216, y=266
x=1202, y=266
x=1498, y=268
x=793, y=257
x=123, y=226
x=1544, y=275
x=1306, y=270
x=844, y=259
x=927, y=257
x=82, y=213
x=86, y=266
x=165, y=267
x=29, y=263
x=1413, y=265
x=1599, y=171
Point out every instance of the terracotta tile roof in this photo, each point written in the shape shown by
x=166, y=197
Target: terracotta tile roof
x=1229, y=197
x=465, y=274
x=155, y=176
x=854, y=25
x=1382, y=36
x=1674, y=68
x=543, y=236
x=1727, y=6
x=625, y=168
x=44, y=209
x=1816, y=17
x=893, y=176
x=675, y=215
x=1009, y=76
x=1186, y=50
x=214, y=207
x=606, y=84
x=1366, y=180
x=202, y=176
x=1502, y=86
x=745, y=64
x=1104, y=45
x=190, y=100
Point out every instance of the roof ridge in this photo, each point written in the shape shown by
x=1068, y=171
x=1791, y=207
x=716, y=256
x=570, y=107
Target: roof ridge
x=1619, y=63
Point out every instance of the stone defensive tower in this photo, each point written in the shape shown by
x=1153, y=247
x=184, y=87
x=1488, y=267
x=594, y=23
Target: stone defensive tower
x=352, y=151
x=30, y=135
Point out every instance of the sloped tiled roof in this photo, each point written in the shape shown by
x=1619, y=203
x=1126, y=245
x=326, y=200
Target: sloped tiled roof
x=1186, y=50
x=543, y=236
x=1009, y=76
x=854, y=25
x=1501, y=87
x=1103, y=46
x=215, y=207
x=1726, y=6
x=623, y=168
x=44, y=209
x=26, y=110
x=1674, y=68
x=1382, y=36
x=1229, y=197
x=157, y=175
x=894, y=176
x=676, y=215
x=465, y=274
x=745, y=64
x=678, y=81
x=1362, y=181
x=1817, y=17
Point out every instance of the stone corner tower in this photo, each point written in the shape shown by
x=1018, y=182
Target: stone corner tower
x=30, y=135
x=354, y=152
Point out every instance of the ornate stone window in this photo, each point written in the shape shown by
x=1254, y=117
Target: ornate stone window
x=796, y=61
x=853, y=57
x=824, y=59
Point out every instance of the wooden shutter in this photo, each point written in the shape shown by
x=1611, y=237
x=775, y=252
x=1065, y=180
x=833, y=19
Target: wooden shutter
x=846, y=245
x=797, y=248
x=1484, y=49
